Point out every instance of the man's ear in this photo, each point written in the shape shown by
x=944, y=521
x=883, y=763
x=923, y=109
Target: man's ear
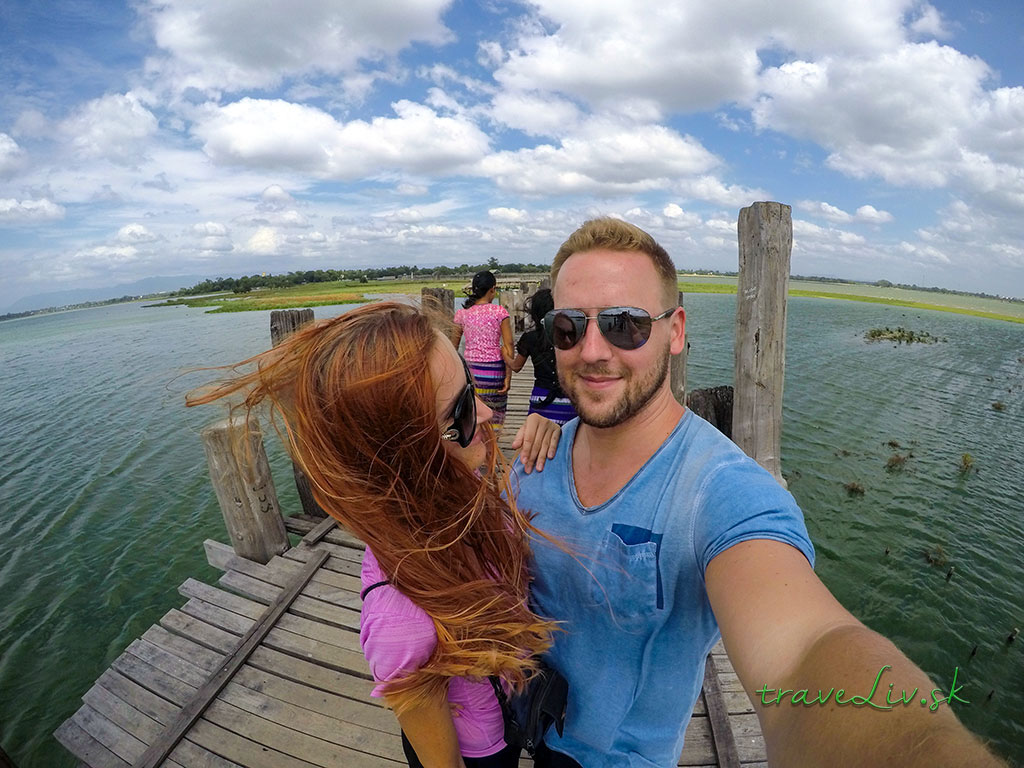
x=678, y=321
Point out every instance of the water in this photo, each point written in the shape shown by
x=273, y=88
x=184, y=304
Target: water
x=105, y=500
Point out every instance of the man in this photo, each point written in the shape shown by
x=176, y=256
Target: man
x=672, y=534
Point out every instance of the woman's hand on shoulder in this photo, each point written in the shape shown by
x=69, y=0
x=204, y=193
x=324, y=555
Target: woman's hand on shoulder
x=537, y=440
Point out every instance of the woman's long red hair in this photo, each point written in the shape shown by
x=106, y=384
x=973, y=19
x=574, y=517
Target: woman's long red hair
x=354, y=398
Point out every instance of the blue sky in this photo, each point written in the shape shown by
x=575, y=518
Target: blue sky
x=181, y=137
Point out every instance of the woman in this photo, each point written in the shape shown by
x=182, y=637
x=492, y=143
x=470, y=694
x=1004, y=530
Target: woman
x=547, y=397
x=379, y=411
x=488, y=351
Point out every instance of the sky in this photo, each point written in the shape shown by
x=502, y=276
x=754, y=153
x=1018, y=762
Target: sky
x=184, y=137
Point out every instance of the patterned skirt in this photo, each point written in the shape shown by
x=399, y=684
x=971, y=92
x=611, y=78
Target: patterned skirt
x=489, y=378
x=558, y=409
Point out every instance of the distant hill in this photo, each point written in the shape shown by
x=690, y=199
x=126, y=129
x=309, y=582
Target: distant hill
x=79, y=295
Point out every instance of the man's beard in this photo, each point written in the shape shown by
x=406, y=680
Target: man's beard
x=640, y=389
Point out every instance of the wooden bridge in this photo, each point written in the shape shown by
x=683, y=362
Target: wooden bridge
x=265, y=670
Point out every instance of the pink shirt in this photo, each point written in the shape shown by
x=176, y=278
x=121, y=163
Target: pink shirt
x=398, y=637
x=481, y=325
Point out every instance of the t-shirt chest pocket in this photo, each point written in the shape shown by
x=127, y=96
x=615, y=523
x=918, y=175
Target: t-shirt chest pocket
x=627, y=578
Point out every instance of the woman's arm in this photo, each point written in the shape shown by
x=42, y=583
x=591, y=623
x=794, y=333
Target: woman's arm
x=506, y=340
x=518, y=363
x=506, y=353
x=431, y=732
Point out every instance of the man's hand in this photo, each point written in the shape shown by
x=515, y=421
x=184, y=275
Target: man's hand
x=538, y=440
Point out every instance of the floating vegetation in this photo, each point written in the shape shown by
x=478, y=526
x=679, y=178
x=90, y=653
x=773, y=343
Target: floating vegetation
x=966, y=463
x=894, y=444
x=936, y=556
x=842, y=453
x=998, y=405
x=901, y=335
x=897, y=462
x=854, y=488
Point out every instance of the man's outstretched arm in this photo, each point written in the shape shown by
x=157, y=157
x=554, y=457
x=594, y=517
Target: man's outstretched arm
x=819, y=679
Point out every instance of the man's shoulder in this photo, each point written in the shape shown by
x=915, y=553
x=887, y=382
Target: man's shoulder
x=702, y=460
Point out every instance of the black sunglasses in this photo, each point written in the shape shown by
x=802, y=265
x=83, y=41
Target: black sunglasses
x=623, y=327
x=463, y=414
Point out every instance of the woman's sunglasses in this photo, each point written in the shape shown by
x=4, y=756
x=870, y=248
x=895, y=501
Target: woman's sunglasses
x=623, y=327
x=463, y=414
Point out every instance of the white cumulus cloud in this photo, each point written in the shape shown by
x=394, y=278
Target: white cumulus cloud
x=508, y=214
x=135, y=233
x=602, y=158
x=230, y=45
x=272, y=133
x=264, y=241
x=113, y=127
x=11, y=155
x=29, y=211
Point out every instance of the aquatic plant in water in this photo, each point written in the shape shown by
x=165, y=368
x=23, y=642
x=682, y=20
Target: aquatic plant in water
x=901, y=335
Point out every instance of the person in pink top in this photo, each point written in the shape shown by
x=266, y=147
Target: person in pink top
x=488, y=332
x=380, y=412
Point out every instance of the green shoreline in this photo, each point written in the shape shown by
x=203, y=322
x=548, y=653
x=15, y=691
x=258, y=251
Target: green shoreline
x=910, y=304
x=326, y=294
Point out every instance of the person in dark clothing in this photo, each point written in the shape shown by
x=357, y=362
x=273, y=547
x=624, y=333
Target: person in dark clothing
x=547, y=397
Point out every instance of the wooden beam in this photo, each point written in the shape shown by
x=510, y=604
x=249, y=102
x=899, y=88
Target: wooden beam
x=765, y=243
x=718, y=717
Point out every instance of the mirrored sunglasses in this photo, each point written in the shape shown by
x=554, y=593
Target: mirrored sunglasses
x=463, y=414
x=623, y=327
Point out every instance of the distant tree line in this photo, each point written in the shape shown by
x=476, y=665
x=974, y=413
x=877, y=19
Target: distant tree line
x=248, y=283
x=936, y=289
x=79, y=305
x=905, y=286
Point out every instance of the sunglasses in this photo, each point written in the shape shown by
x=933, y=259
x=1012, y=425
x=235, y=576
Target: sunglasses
x=463, y=414
x=623, y=327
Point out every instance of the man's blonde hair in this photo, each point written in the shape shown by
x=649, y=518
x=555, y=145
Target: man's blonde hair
x=612, y=234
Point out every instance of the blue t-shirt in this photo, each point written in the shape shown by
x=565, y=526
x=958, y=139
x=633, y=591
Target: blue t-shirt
x=639, y=625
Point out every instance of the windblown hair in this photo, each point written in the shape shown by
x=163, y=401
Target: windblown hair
x=482, y=283
x=617, y=235
x=354, y=400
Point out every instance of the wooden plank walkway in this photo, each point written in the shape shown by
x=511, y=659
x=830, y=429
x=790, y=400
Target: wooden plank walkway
x=299, y=695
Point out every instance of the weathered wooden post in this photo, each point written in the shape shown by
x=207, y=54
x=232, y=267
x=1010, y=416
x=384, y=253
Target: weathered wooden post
x=765, y=233
x=283, y=323
x=443, y=298
x=678, y=379
x=245, y=489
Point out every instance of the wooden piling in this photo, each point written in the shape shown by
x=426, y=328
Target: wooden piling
x=285, y=322
x=443, y=298
x=245, y=489
x=765, y=232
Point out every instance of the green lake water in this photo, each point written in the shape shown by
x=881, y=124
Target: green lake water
x=105, y=500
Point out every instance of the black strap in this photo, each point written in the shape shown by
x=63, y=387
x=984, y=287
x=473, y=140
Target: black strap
x=499, y=692
x=369, y=589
